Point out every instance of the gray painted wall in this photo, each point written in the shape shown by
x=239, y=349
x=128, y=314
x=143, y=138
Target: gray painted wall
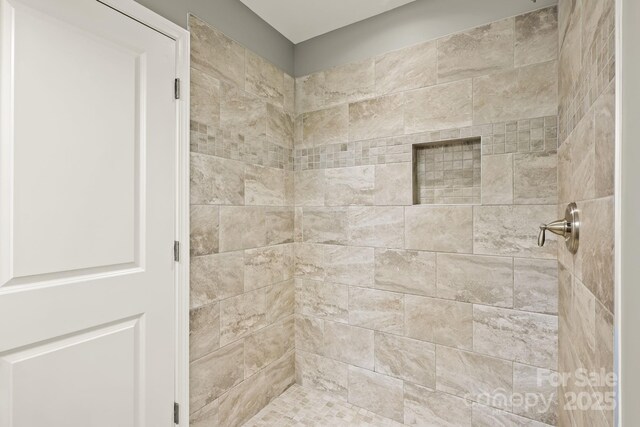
x=407, y=25
x=234, y=19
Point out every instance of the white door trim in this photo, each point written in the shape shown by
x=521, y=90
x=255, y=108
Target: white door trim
x=181, y=272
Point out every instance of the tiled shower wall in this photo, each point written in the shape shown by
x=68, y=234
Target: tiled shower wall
x=242, y=219
x=431, y=314
x=586, y=175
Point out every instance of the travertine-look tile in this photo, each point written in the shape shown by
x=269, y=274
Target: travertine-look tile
x=535, y=178
x=377, y=393
x=570, y=57
x=349, y=186
x=309, y=92
x=203, y=221
x=216, y=181
x=215, y=277
x=297, y=225
x=349, y=82
x=513, y=230
x=474, y=376
x=425, y=407
x=531, y=381
x=436, y=320
x=204, y=99
x=535, y=285
x=264, y=79
x=604, y=124
x=279, y=223
x=215, y=373
x=476, y=52
x=280, y=375
x=376, y=226
x=234, y=230
x=375, y=309
x=281, y=300
x=309, y=334
x=485, y=416
x=204, y=330
x=582, y=158
x=309, y=261
x=520, y=336
x=243, y=116
x=536, y=36
x=325, y=225
x=412, y=272
x=268, y=345
x=393, y=184
x=349, y=344
x=438, y=107
x=497, y=179
x=264, y=186
x=476, y=279
x=594, y=14
x=280, y=127
x=324, y=127
x=267, y=266
x=322, y=373
x=530, y=91
x=376, y=118
x=289, y=93
x=406, y=359
x=206, y=416
x=409, y=68
x=243, y=401
x=310, y=187
x=429, y=228
x=324, y=300
x=242, y=315
x=349, y=265
x=214, y=53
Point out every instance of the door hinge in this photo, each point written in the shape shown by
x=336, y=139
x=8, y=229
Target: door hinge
x=176, y=413
x=176, y=88
x=176, y=251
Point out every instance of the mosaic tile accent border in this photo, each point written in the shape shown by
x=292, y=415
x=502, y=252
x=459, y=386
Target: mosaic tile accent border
x=210, y=140
x=521, y=136
x=596, y=74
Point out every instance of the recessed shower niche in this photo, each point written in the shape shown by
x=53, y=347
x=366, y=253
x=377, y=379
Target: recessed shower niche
x=447, y=172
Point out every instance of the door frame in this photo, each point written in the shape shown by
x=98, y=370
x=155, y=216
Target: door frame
x=181, y=268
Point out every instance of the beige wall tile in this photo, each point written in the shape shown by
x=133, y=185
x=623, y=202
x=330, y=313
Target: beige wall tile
x=565, y=173
x=267, y=266
x=535, y=285
x=513, y=230
x=531, y=381
x=570, y=58
x=412, y=272
x=409, y=68
x=204, y=330
x=520, y=336
x=497, y=179
x=475, y=52
x=406, y=359
x=289, y=93
x=535, y=178
x=264, y=186
x=429, y=228
x=216, y=54
x=204, y=224
x=264, y=79
x=374, y=309
x=322, y=373
x=349, y=186
x=536, y=36
x=243, y=401
x=474, y=376
x=582, y=157
x=425, y=407
x=530, y=91
x=310, y=91
x=349, y=265
x=279, y=224
x=324, y=127
x=393, y=184
x=205, y=416
x=309, y=334
x=376, y=226
x=204, y=99
x=348, y=344
x=376, y=393
x=309, y=261
x=216, y=181
x=349, y=82
x=243, y=116
x=279, y=126
x=376, y=118
x=325, y=225
x=310, y=187
x=485, y=416
x=438, y=107
x=268, y=345
x=604, y=123
x=215, y=277
x=476, y=279
x=280, y=375
x=281, y=301
x=235, y=232
x=324, y=300
x=241, y=315
x=439, y=321
x=214, y=374
x=594, y=14
x=297, y=225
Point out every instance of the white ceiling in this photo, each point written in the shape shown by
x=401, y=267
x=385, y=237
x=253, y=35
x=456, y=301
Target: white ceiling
x=300, y=20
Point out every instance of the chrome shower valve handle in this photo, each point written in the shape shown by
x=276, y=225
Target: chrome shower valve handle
x=569, y=228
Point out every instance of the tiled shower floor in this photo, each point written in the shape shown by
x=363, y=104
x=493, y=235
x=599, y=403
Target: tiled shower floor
x=300, y=406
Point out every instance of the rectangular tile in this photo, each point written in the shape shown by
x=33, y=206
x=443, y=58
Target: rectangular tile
x=264, y=186
x=393, y=184
x=485, y=416
x=310, y=92
x=406, y=359
x=267, y=266
x=376, y=226
x=215, y=277
x=242, y=402
x=327, y=126
x=204, y=99
x=408, y=271
x=410, y=68
x=263, y=79
x=268, y=345
x=325, y=225
x=535, y=285
x=349, y=344
x=309, y=261
x=204, y=330
x=440, y=321
x=376, y=393
x=279, y=223
x=322, y=373
x=235, y=232
x=438, y=107
x=242, y=315
x=243, y=117
x=426, y=407
x=497, y=179
x=349, y=265
x=216, y=181
x=529, y=381
x=376, y=118
x=429, y=228
x=375, y=309
x=204, y=226
x=309, y=334
x=536, y=36
x=281, y=300
x=279, y=126
x=349, y=82
x=349, y=186
x=324, y=300
x=310, y=186
x=535, y=178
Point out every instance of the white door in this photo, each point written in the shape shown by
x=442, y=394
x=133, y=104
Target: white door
x=87, y=182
